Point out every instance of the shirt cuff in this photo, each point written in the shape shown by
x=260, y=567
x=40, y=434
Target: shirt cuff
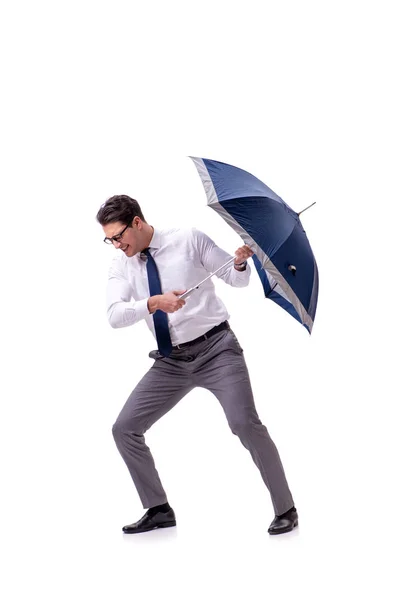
x=141, y=309
x=242, y=270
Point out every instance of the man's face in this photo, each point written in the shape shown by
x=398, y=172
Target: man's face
x=130, y=240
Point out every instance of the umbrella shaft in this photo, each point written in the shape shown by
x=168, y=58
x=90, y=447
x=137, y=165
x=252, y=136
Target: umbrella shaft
x=304, y=209
x=207, y=278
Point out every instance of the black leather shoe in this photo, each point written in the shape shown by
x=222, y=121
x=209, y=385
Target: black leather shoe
x=286, y=522
x=147, y=522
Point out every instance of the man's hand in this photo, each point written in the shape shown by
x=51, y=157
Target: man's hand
x=169, y=302
x=242, y=254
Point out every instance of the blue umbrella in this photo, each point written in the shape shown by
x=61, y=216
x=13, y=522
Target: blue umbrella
x=282, y=254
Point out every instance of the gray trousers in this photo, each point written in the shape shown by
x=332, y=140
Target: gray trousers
x=216, y=364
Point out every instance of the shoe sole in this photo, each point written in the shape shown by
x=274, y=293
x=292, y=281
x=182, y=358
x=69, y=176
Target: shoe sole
x=161, y=526
x=286, y=530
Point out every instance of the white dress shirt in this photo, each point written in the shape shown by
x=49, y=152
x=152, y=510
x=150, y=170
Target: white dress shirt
x=184, y=257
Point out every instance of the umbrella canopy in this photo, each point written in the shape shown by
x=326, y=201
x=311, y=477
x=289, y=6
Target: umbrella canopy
x=282, y=254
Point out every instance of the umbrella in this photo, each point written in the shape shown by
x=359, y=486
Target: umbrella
x=282, y=253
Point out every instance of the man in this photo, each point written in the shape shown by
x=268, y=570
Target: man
x=196, y=347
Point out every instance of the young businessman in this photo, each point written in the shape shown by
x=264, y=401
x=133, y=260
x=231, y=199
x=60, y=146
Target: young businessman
x=196, y=347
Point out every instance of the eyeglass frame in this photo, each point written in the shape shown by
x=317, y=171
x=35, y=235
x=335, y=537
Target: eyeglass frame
x=112, y=239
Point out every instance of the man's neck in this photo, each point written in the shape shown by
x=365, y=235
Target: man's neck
x=150, y=232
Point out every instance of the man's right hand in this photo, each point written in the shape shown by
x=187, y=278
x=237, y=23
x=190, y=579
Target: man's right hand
x=169, y=302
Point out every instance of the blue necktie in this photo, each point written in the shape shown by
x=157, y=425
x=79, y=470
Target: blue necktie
x=160, y=317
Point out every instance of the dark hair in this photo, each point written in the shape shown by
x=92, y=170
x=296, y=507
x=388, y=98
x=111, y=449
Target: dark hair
x=119, y=208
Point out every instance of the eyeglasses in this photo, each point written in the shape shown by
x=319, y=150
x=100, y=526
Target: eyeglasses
x=115, y=238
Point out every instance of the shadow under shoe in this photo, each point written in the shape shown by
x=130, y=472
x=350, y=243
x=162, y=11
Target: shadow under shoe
x=152, y=521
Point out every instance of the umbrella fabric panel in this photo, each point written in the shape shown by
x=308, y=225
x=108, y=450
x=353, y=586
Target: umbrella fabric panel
x=259, y=218
x=297, y=251
x=283, y=242
x=231, y=182
x=273, y=291
x=273, y=274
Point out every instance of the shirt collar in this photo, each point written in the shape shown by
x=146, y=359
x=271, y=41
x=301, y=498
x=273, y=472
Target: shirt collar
x=155, y=241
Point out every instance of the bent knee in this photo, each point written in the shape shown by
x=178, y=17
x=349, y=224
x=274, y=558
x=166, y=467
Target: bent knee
x=122, y=427
x=244, y=427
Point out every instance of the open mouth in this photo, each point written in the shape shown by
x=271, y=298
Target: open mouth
x=124, y=248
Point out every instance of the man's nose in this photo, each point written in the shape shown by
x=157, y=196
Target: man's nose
x=116, y=244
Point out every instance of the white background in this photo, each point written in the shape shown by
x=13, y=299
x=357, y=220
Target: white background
x=100, y=98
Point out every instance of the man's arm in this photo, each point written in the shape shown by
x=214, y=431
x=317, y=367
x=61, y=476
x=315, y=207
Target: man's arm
x=122, y=310
x=212, y=257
